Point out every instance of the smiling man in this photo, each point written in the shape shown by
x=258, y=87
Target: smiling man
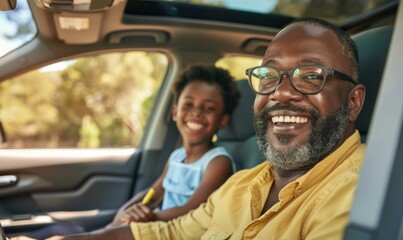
x=307, y=102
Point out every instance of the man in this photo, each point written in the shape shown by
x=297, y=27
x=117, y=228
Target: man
x=307, y=102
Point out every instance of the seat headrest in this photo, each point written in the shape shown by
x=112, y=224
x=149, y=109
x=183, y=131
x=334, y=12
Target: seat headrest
x=240, y=125
x=239, y=136
x=373, y=46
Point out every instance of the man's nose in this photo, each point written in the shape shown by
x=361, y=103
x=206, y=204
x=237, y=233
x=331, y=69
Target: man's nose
x=285, y=91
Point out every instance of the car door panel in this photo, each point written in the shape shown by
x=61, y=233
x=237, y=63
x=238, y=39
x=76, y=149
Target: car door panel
x=45, y=189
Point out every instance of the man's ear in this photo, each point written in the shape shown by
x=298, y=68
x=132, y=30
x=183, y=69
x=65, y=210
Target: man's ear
x=224, y=121
x=174, y=111
x=356, y=101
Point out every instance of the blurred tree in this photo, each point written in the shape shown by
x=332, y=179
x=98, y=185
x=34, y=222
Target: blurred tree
x=111, y=89
x=99, y=101
x=27, y=107
x=89, y=134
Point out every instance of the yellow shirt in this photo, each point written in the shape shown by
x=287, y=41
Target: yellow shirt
x=314, y=206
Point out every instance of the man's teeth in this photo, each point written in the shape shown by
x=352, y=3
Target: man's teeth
x=194, y=126
x=289, y=119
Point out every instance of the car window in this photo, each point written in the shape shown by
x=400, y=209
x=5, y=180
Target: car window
x=17, y=27
x=89, y=102
x=237, y=65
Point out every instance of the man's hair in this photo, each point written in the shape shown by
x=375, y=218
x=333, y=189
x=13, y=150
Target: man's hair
x=210, y=75
x=349, y=48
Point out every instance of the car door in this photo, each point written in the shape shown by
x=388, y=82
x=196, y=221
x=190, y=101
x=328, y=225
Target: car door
x=75, y=132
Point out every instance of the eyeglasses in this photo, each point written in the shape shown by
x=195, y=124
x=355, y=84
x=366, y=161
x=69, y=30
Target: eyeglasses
x=307, y=79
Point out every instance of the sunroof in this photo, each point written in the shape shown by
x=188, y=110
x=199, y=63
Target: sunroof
x=335, y=11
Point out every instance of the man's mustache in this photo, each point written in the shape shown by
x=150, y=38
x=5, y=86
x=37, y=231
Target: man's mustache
x=291, y=107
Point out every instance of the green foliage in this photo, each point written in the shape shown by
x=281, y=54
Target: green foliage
x=100, y=101
x=89, y=133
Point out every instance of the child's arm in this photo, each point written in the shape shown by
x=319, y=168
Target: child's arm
x=131, y=211
x=217, y=172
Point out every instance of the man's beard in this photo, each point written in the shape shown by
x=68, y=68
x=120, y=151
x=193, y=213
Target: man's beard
x=326, y=134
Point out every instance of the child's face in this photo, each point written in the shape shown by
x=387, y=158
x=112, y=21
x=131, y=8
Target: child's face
x=199, y=112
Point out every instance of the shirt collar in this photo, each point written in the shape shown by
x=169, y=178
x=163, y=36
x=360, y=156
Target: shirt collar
x=319, y=171
x=329, y=163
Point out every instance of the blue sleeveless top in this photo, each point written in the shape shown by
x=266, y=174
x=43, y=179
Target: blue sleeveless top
x=182, y=179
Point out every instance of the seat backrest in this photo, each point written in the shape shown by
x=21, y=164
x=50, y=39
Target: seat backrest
x=373, y=46
x=239, y=136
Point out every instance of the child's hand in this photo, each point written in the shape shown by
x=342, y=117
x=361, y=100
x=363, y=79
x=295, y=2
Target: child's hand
x=137, y=213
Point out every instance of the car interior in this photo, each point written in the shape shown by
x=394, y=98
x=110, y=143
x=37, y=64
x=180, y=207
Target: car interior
x=371, y=65
x=86, y=186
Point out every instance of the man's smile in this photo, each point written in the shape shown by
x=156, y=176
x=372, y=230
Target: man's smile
x=289, y=119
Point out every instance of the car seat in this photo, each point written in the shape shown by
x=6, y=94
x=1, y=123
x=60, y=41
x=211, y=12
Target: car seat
x=239, y=136
x=373, y=46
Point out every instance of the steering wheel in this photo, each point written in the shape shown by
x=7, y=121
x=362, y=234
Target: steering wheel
x=2, y=235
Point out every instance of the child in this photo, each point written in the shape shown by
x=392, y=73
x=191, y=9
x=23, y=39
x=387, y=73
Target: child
x=205, y=96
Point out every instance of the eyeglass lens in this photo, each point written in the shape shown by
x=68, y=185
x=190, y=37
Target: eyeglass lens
x=306, y=79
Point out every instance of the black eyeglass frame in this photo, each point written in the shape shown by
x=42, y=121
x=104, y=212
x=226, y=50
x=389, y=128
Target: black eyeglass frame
x=327, y=71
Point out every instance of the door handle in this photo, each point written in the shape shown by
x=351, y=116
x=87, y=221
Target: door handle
x=8, y=180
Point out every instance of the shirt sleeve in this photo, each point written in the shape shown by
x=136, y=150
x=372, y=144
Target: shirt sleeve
x=190, y=226
x=194, y=224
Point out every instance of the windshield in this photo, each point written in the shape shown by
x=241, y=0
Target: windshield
x=17, y=27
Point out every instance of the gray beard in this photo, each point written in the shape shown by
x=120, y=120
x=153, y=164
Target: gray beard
x=326, y=134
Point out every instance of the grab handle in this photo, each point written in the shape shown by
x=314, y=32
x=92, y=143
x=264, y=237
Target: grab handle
x=8, y=180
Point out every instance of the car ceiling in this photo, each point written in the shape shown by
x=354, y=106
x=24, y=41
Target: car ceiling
x=124, y=27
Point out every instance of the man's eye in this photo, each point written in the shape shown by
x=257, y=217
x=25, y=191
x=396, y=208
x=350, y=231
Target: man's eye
x=269, y=77
x=267, y=83
x=312, y=77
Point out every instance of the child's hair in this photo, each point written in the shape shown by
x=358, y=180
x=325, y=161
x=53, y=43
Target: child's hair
x=210, y=75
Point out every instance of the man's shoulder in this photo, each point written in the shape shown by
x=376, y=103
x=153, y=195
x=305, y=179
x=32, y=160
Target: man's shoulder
x=352, y=164
x=346, y=175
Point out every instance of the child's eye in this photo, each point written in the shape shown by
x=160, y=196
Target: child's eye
x=209, y=109
x=187, y=105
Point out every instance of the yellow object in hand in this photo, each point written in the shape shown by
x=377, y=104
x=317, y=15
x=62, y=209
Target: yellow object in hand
x=147, y=198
